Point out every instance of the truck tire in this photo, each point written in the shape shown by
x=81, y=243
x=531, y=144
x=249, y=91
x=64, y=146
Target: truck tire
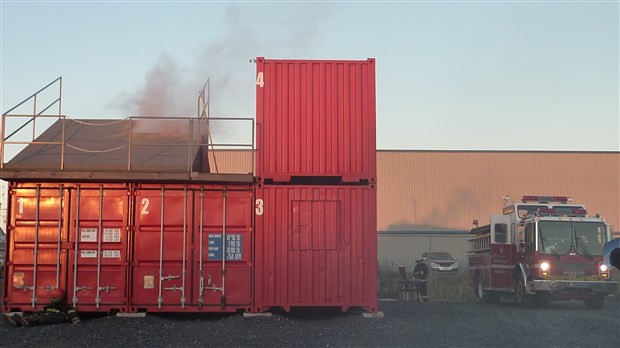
x=521, y=297
x=595, y=302
x=481, y=295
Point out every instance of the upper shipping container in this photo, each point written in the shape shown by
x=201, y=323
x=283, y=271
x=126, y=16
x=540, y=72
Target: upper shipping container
x=315, y=118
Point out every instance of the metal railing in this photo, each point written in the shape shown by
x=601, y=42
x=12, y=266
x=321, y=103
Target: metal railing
x=196, y=132
x=32, y=117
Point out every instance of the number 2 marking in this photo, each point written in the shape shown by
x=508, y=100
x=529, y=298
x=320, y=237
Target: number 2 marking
x=145, y=206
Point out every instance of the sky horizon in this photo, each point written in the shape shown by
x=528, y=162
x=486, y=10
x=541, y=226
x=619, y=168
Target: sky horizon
x=473, y=76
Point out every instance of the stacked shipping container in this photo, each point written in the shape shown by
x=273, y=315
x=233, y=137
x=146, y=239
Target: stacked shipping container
x=316, y=219
x=302, y=233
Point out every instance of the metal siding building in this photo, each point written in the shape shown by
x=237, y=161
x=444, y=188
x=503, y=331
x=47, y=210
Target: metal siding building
x=446, y=190
x=426, y=193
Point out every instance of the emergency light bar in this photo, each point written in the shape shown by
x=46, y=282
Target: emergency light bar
x=573, y=212
x=546, y=199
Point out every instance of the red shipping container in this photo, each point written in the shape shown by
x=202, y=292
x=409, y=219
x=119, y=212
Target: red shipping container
x=316, y=246
x=192, y=248
x=36, y=237
x=315, y=118
x=46, y=221
x=99, y=240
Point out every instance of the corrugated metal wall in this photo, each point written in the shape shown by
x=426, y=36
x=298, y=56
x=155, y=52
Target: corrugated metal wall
x=315, y=118
x=231, y=161
x=442, y=190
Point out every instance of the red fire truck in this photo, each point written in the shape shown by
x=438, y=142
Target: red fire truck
x=539, y=250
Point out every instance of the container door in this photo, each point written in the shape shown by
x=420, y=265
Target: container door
x=315, y=233
x=161, y=263
x=224, y=221
x=99, y=237
x=37, y=259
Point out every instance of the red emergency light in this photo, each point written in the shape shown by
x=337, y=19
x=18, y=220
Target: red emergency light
x=562, y=211
x=546, y=199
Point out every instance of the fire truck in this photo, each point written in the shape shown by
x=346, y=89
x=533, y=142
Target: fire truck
x=539, y=250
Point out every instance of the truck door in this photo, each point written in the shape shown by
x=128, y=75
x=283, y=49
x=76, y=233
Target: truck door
x=524, y=254
x=502, y=253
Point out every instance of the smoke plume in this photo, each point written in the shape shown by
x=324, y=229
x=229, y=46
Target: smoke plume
x=170, y=90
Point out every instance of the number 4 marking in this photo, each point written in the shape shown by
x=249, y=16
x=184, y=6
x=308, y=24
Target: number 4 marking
x=260, y=82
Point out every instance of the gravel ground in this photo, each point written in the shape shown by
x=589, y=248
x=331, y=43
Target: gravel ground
x=405, y=324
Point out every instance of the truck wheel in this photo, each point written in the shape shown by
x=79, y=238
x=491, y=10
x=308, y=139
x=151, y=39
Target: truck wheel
x=481, y=295
x=478, y=292
x=521, y=296
x=595, y=302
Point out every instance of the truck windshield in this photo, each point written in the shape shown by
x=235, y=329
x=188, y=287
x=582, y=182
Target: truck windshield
x=559, y=237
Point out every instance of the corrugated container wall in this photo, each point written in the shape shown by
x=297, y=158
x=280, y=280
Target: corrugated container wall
x=192, y=248
x=315, y=118
x=68, y=236
x=316, y=241
x=316, y=246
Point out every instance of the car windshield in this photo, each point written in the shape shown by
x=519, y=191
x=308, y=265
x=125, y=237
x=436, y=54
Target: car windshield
x=559, y=237
x=440, y=256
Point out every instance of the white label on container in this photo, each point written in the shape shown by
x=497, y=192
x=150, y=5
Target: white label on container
x=111, y=234
x=111, y=254
x=88, y=235
x=88, y=254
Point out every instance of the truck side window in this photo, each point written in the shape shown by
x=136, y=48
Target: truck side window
x=529, y=237
x=500, y=233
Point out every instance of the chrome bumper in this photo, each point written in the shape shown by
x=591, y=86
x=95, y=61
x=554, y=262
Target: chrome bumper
x=606, y=287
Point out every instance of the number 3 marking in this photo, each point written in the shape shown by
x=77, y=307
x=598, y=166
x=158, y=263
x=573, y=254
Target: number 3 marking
x=259, y=206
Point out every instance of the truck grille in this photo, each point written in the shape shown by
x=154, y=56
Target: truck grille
x=571, y=269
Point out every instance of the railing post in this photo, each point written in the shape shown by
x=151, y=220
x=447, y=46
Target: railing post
x=2, y=141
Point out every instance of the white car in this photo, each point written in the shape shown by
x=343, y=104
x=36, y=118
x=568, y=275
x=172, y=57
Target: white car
x=441, y=261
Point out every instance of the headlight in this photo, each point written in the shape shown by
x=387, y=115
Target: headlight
x=602, y=267
x=544, y=267
x=434, y=265
x=456, y=264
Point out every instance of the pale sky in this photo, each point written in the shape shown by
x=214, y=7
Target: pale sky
x=453, y=75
